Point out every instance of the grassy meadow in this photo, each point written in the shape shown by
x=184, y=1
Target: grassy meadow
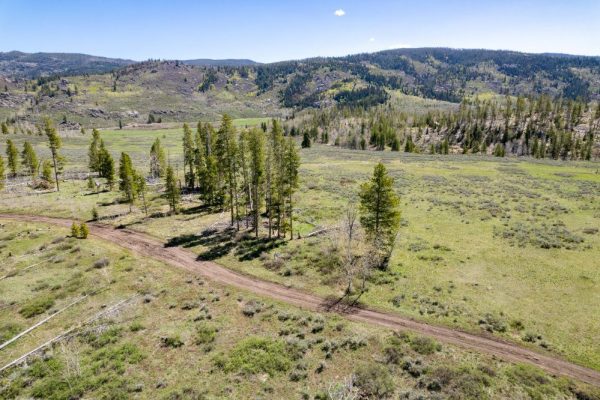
x=506, y=247
x=151, y=331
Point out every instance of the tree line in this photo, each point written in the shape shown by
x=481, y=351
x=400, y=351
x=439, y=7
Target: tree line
x=539, y=127
x=44, y=173
x=244, y=172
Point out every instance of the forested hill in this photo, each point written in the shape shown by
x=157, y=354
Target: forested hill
x=33, y=65
x=445, y=74
x=176, y=91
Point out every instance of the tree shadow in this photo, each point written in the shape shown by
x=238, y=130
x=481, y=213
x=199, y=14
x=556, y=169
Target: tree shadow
x=343, y=305
x=250, y=247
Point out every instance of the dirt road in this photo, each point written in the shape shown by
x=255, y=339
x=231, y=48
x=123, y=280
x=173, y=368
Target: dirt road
x=147, y=246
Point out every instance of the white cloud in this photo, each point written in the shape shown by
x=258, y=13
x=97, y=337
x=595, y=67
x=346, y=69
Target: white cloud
x=339, y=13
x=371, y=39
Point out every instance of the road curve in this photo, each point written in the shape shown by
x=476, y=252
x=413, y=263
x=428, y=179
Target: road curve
x=147, y=246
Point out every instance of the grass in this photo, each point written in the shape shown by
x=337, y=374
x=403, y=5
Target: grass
x=486, y=244
x=180, y=329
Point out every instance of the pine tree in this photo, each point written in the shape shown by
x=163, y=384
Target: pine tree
x=243, y=157
x=128, y=183
x=107, y=166
x=291, y=163
x=445, y=147
x=4, y=128
x=226, y=152
x=305, y=140
x=499, y=150
x=409, y=146
x=395, y=143
x=12, y=156
x=256, y=147
x=94, y=161
x=54, y=143
x=379, y=213
x=2, y=176
x=158, y=160
x=75, y=230
x=30, y=160
x=275, y=177
x=47, y=171
x=188, y=157
x=172, y=191
x=206, y=165
x=84, y=231
x=142, y=189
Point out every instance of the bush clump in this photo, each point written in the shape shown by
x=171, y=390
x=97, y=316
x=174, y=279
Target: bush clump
x=205, y=334
x=374, y=381
x=36, y=306
x=256, y=355
x=424, y=345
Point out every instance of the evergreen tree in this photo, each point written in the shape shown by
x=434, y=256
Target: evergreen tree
x=47, y=171
x=128, y=183
x=243, y=160
x=305, y=140
x=206, y=165
x=172, y=190
x=226, y=151
x=4, y=128
x=256, y=148
x=2, y=176
x=142, y=189
x=54, y=143
x=75, y=230
x=30, y=160
x=84, y=231
x=409, y=146
x=12, y=156
x=275, y=177
x=291, y=164
x=188, y=157
x=445, y=147
x=107, y=166
x=379, y=213
x=499, y=150
x=94, y=161
x=395, y=143
x=158, y=160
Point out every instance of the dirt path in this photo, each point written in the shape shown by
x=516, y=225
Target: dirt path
x=145, y=245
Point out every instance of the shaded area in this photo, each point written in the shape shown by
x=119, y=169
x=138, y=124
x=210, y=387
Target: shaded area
x=222, y=242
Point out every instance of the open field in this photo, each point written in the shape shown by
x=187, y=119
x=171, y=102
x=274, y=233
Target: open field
x=158, y=329
x=506, y=247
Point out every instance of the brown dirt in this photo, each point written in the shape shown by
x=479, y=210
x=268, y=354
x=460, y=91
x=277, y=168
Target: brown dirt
x=145, y=245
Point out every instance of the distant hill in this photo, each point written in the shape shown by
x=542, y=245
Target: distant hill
x=33, y=65
x=207, y=62
x=203, y=89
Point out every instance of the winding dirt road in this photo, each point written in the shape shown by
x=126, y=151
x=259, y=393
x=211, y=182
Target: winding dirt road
x=147, y=246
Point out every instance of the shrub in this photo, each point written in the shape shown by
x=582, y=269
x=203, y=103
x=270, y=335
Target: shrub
x=101, y=263
x=258, y=355
x=75, y=230
x=36, y=306
x=424, y=345
x=84, y=230
x=9, y=330
x=171, y=341
x=205, y=334
x=374, y=381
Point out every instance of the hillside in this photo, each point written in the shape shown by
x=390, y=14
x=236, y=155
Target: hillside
x=16, y=64
x=176, y=91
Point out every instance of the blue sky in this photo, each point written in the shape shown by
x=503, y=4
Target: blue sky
x=280, y=30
